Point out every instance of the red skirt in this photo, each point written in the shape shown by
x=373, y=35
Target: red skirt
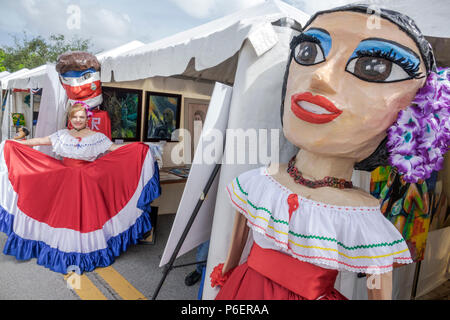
x=272, y=275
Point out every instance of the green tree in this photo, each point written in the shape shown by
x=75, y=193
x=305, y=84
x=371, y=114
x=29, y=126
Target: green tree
x=34, y=52
x=2, y=58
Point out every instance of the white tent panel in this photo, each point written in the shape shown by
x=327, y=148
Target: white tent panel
x=209, y=44
x=4, y=81
x=4, y=74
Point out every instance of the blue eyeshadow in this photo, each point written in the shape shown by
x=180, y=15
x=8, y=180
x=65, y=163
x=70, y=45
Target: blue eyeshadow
x=390, y=49
x=322, y=36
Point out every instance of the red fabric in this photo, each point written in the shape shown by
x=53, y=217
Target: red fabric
x=217, y=276
x=293, y=204
x=92, y=193
x=272, y=275
x=68, y=162
x=99, y=122
x=84, y=91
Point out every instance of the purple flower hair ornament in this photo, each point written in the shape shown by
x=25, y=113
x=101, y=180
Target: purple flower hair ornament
x=89, y=113
x=419, y=139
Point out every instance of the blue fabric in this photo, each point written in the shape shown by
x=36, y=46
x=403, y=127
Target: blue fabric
x=58, y=261
x=77, y=74
x=151, y=191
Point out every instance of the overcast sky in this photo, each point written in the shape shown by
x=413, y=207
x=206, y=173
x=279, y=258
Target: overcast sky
x=110, y=23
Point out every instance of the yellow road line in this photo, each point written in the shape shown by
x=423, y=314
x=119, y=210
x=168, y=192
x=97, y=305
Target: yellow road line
x=84, y=287
x=119, y=284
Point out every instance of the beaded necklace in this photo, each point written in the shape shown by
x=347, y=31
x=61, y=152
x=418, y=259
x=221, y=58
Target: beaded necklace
x=325, y=182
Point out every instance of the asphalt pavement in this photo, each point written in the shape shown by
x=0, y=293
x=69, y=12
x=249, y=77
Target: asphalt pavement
x=133, y=276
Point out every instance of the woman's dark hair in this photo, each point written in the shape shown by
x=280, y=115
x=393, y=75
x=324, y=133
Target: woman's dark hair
x=26, y=131
x=380, y=156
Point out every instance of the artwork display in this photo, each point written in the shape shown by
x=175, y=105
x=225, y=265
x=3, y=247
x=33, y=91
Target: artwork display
x=194, y=118
x=162, y=115
x=124, y=109
x=18, y=119
x=406, y=205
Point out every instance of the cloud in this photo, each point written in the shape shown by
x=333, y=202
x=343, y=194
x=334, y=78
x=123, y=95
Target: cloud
x=310, y=7
x=202, y=9
x=103, y=26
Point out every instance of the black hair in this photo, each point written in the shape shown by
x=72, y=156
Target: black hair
x=25, y=130
x=380, y=156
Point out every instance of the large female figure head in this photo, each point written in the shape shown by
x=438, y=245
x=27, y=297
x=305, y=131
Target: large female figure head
x=347, y=84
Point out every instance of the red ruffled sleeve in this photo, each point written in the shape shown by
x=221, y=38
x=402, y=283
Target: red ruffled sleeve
x=217, y=278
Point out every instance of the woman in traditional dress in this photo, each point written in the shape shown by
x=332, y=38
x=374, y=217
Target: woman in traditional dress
x=353, y=96
x=79, y=213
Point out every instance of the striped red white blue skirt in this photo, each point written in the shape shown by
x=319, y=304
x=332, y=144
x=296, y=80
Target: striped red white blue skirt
x=75, y=215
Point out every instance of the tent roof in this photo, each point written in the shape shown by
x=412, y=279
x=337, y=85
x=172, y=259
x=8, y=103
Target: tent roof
x=4, y=74
x=202, y=47
x=132, y=45
x=4, y=81
x=27, y=79
x=33, y=78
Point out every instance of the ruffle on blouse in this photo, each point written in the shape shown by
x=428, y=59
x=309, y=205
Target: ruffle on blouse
x=88, y=148
x=358, y=239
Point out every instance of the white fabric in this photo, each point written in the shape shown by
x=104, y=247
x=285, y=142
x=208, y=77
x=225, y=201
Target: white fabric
x=80, y=81
x=358, y=239
x=29, y=79
x=89, y=148
x=52, y=109
x=64, y=239
x=6, y=120
x=4, y=80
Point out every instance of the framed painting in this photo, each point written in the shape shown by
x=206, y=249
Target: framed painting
x=161, y=115
x=124, y=109
x=194, y=118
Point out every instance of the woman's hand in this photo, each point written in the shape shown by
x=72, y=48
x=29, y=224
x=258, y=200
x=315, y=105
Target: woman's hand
x=115, y=147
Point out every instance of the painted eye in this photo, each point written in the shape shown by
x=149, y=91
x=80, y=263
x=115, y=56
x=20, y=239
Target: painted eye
x=376, y=69
x=87, y=76
x=308, y=53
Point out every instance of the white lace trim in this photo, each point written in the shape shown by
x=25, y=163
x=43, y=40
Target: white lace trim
x=358, y=239
x=88, y=148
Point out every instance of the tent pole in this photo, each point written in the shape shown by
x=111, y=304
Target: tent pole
x=415, y=281
x=169, y=265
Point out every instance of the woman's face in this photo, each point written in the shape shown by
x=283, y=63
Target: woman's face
x=79, y=120
x=346, y=84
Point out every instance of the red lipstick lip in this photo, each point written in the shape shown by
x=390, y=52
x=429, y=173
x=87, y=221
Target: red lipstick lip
x=317, y=100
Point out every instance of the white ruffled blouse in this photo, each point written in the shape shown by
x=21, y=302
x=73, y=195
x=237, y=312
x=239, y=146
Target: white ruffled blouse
x=358, y=239
x=87, y=148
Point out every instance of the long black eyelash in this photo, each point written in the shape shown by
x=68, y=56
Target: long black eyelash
x=303, y=37
x=410, y=69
